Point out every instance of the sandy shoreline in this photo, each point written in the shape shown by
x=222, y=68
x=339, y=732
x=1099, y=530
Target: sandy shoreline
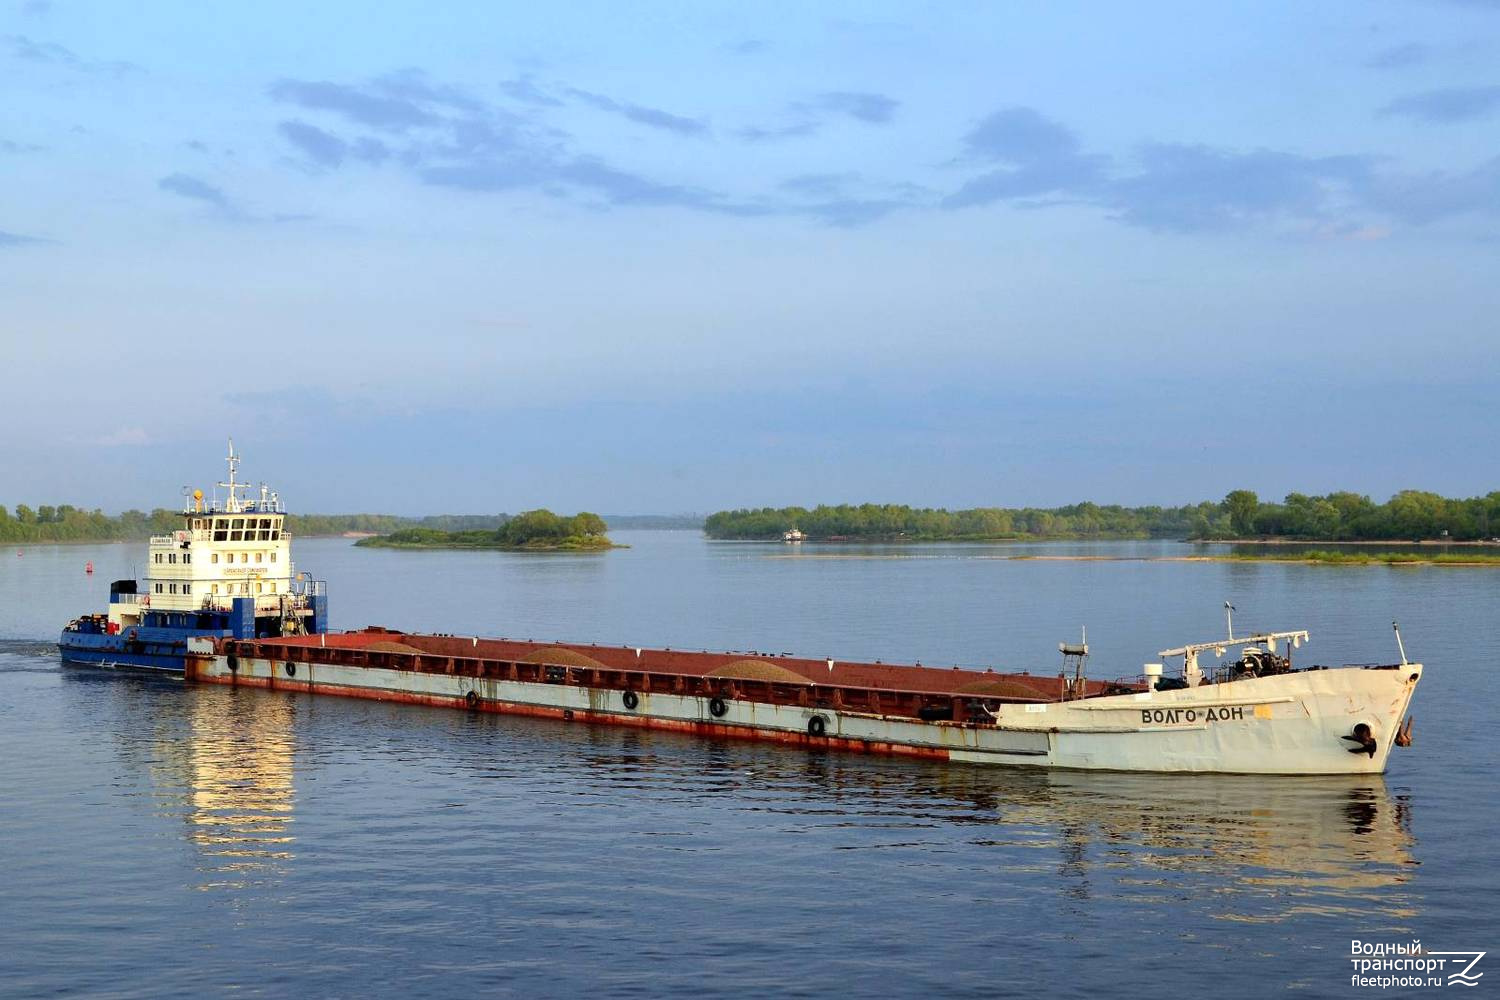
x=1289, y=559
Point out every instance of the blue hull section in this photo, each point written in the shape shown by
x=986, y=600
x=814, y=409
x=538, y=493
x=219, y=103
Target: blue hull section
x=160, y=642
x=143, y=649
x=122, y=660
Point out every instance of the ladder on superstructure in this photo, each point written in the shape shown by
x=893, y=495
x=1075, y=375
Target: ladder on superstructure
x=291, y=621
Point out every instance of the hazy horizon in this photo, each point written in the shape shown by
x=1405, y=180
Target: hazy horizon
x=603, y=257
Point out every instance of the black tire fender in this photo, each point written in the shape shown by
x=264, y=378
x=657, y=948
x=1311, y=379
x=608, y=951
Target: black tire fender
x=630, y=699
x=717, y=707
x=472, y=699
x=817, y=726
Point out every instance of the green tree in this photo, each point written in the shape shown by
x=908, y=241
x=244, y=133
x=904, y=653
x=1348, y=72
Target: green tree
x=587, y=524
x=1242, y=506
x=533, y=525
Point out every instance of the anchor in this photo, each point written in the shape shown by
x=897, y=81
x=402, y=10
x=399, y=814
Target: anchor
x=1364, y=738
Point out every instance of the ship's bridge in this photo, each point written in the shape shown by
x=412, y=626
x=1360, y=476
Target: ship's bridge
x=232, y=546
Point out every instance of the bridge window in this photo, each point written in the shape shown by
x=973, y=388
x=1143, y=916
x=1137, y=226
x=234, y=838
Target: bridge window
x=158, y=588
x=216, y=588
x=259, y=556
x=259, y=588
x=187, y=557
x=273, y=557
x=214, y=557
x=171, y=557
x=187, y=588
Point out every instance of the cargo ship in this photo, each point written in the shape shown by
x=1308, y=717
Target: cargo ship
x=226, y=573
x=223, y=604
x=1256, y=715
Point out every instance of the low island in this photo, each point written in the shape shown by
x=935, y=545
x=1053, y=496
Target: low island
x=1416, y=528
x=1411, y=516
x=531, y=531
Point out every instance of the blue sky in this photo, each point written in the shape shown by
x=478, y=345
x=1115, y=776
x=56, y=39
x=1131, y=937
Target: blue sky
x=677, y=257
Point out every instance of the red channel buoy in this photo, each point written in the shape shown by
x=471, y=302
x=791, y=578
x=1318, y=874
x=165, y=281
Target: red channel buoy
x=88, y=567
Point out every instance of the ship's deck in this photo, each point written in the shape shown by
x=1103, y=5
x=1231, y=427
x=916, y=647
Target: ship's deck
x=903, y=689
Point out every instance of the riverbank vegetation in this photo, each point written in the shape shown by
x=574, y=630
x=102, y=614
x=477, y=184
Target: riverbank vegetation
x=65, y=523
x=1335, y=517
x=531, y=531
x=1409, y=515
x=898, y=522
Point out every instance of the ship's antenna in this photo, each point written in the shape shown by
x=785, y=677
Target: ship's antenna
x=1399, y=644
x=1229, y=618
x=233, y=503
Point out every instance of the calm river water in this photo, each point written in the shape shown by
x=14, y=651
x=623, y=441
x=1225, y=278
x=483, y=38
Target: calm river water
x=159, y=840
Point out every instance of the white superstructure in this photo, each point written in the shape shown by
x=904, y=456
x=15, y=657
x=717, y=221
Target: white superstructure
x=230, y=546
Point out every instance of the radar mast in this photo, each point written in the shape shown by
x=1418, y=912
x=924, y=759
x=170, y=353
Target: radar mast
x=233, y=505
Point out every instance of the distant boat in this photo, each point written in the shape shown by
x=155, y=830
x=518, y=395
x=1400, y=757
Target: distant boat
x=793, y=536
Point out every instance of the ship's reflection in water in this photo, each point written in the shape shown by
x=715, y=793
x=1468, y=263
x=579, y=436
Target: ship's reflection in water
x=1308, y=844
x=1194, y=850
x=225, y=766
x=1227, y=848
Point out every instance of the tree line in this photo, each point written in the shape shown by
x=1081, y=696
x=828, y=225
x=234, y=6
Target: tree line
x=1339, y=516
x=893, y=522
x=66, y=523
x=1343, y=516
